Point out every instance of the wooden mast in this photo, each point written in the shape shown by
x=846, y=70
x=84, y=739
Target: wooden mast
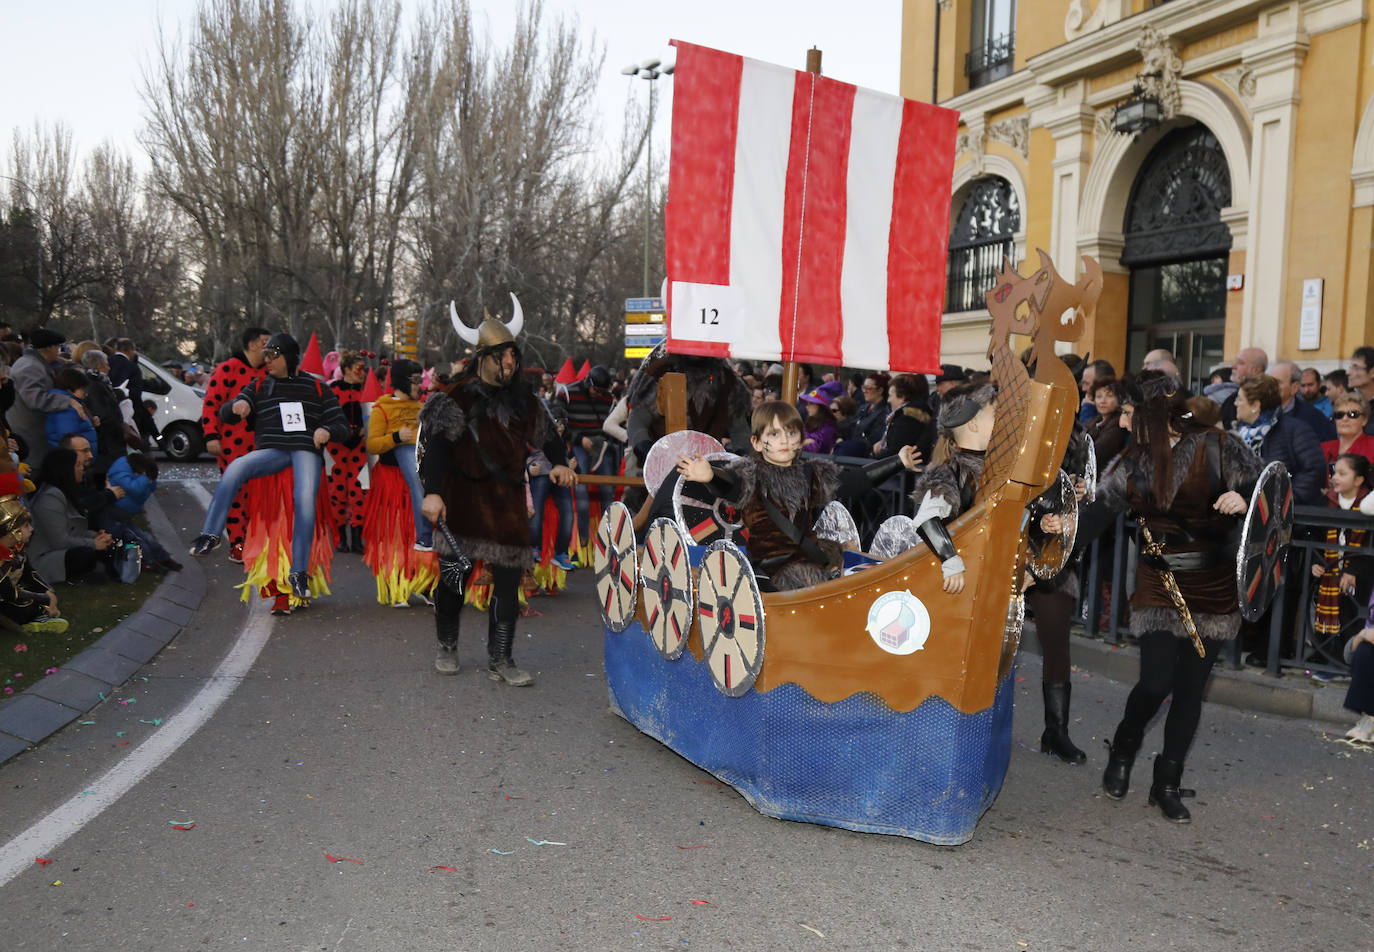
x=790, y=371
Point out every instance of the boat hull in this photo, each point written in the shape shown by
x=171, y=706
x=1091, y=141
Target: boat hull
x=856, y=763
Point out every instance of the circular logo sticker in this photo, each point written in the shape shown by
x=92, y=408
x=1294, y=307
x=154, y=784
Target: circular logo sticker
x=899, y=623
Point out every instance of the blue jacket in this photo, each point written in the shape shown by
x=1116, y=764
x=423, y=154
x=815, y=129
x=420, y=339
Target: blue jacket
x=137, y=487
x=1292, y=442
x=69, y=421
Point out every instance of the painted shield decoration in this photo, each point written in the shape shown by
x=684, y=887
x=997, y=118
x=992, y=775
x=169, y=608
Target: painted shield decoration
x=730, y=611
x=1267, y=531
x=837, y=525
x=663, y=455
x=668, y=596
x=617, y=574
x=701, y=515
x=1048, y=553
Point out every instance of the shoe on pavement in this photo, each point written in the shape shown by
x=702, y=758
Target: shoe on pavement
x=423, y=599
x=400, y=604
x=45, y=624
x=563, y=562
x=423, y=547
x=281, y=605
x=507, y=671
x=300, y=585
x=204, y=544
x=236, y=553
x=1362, y=731
x=446, y=662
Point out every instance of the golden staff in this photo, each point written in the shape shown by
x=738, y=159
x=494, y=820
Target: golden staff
x=1171, y=586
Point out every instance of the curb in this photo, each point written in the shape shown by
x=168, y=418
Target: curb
x=1247, y=689
x=86, y=680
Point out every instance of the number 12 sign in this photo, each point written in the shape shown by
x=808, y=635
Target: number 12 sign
x=705, y=313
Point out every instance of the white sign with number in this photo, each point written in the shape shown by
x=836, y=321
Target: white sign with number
x=710, y=313
x=292, y=417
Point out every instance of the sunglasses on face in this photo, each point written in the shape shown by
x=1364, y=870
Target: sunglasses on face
x=1347, y=415
x=271, y=353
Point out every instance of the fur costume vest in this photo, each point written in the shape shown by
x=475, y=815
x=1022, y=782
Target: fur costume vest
x=800, y=492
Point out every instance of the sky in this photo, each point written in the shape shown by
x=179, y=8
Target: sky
x=80, y=61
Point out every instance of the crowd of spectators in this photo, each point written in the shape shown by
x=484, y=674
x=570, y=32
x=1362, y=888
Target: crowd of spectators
x=75, y=471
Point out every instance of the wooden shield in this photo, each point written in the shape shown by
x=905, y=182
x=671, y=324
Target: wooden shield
x=617, y=573
x=669, y=599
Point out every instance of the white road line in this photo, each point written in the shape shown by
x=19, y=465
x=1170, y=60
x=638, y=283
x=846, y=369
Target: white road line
x=51, y=831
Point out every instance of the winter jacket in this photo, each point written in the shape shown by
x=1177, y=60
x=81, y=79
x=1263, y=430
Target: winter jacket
x=138, y=488
x=276, y=403
x=57, y=526
x=67, y=421
x=389, y=416
x=33, y=401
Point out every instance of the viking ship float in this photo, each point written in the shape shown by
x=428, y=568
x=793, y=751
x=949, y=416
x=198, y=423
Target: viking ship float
x=807, y=220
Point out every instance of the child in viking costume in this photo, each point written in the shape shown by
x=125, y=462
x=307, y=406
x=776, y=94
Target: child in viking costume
x=397, y=539
x=476, y=434
x=288, y=545
x=780, y=496
x=25, y=599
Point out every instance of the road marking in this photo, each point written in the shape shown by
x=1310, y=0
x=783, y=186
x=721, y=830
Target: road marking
x=45, y=835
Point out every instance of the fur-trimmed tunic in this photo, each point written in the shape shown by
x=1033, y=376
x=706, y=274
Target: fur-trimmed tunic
x=475, y=439
x=1186, y=522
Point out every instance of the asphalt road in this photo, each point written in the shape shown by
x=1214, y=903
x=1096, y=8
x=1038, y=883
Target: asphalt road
x=342, y=742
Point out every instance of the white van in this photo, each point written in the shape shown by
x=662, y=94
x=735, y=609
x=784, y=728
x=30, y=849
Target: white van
x=178, y=411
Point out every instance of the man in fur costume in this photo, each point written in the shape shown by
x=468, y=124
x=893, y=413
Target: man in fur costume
x=475, y=435
x=780, y=496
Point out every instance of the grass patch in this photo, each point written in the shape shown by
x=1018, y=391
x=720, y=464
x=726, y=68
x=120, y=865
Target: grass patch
x=92, y=609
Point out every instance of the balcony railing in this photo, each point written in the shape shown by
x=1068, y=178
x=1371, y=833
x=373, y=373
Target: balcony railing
x=990, y=61
x=972, y=270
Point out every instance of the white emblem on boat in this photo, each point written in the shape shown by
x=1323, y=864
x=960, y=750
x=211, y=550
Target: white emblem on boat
x=899, y=623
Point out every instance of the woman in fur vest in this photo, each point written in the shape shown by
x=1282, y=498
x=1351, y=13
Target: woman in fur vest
x=1186, y=483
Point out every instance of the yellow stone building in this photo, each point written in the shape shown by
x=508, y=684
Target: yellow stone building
x=1243, y=217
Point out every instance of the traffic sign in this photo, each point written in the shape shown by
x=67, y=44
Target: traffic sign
x=645, y=317
x=642, y=304
x=638, y=353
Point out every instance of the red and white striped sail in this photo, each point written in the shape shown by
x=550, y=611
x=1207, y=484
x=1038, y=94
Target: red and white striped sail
x=807, y=219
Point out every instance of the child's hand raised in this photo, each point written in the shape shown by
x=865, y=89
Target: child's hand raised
x=695, y=469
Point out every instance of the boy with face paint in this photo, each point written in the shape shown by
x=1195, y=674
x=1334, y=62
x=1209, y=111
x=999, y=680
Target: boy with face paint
x=780, y=496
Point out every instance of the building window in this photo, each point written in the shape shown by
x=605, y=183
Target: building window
x=981, y=240
x=991, y=43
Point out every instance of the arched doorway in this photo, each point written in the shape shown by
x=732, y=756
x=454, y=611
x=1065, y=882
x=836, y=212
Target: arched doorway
x=982, y=237
x=1178, y=249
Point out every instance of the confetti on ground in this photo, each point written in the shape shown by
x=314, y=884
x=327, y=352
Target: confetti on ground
x=811, y=929
x=21, y=647
x=156, y=722
x=101, y=696
x=501, y=852
x=120, y=733
x=57, y=882
x=692, y=847
x=9, y=690
x=342, y=859
x=531, y=613
x=41, y=861
x=515, y=798
x=85, y=722
x=544, y=842
x=185, y=826
x=700, y=902
x=129, y=700
x=653, y=918
x=123, y=743
x=50, y=671
x=710, y=783
x=86, y=793
x=447, y=869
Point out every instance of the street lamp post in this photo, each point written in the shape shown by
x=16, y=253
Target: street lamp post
x=650, y=69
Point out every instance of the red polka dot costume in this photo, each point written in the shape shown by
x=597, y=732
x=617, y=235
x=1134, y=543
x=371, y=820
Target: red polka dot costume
x=236, y=439
x=346, y=495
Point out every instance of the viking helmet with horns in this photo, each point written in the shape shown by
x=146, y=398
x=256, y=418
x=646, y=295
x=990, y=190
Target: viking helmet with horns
x=492, y=332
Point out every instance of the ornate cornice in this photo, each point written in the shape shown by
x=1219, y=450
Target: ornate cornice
x=1014, y=132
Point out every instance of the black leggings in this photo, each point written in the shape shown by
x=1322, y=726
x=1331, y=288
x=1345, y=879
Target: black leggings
x=1052, y=612
x=504, y=608
x=1169, y=665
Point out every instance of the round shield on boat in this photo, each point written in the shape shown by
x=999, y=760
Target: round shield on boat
x=1090, y=476
x=1048, y=553
x=1266, y=533
x=663, y=455
x=700, y=514
x=617, y=574
x=668, y=596
x=896, y=535
x=730, y=611
x=837, y=525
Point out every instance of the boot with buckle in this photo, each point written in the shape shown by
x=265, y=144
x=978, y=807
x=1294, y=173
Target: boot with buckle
x=1116, y=779
x=1165, y=792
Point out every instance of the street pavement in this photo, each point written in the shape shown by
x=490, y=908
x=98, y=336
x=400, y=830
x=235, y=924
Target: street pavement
x=463, y=814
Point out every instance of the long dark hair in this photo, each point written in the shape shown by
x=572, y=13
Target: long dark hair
x=59, y=469
x=1161, y=412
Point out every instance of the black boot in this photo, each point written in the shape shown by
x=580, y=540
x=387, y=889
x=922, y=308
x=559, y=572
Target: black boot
x=505, y=605
x=357, y=534
x=446, y=608
x=1055, y=739
x=1164, y=792
x=344, y=544
x=1116, y=779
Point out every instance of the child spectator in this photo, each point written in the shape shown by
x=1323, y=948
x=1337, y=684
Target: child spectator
x=1342, y=573
x=25, y=599
x=541, y=487
x=71, y=383
x=133, y=480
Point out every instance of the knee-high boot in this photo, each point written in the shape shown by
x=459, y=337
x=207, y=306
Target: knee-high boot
x=1116, y=779
x=447, y=606
x=1055, y=740
x=501, y=631
x=1165, y=793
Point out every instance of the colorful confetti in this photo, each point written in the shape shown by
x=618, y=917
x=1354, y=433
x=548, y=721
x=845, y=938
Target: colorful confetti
x=653, y=918
x=49, y=670
x=515, y=798
x=544, y=842
x=691, y=847
x=342, y=859
x=447, y=869
x=21, y=647
x=812, y=929
x=41, y=861
x=700, y=902
x=156, y=722
x=124, y=743
x=501, y=852
x=187, y=826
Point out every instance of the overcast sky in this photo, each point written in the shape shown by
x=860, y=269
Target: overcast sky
x=79, y=61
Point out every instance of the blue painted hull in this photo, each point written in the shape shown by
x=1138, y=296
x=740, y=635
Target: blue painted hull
x=928, y=774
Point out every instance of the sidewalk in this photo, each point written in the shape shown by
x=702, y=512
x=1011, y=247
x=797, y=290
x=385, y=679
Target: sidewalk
x=1250, y=689
x=48, y=705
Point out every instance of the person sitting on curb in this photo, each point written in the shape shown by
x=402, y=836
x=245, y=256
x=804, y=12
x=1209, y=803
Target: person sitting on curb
x=25, y=599
x=63, y=547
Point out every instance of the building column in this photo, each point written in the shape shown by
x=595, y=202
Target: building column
x=1275, y=61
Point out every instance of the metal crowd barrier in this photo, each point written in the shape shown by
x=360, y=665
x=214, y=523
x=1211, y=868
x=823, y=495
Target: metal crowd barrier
x=1294, y=607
